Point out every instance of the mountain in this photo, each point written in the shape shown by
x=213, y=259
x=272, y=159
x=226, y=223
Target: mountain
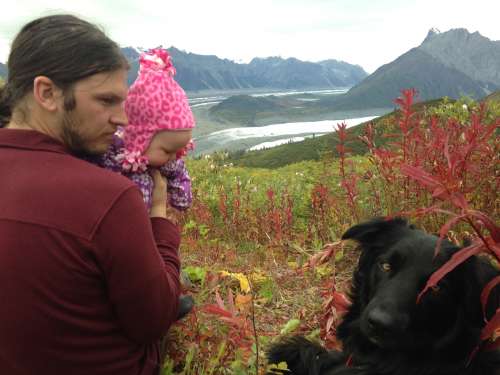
x=350, y=74
x=472, y=54
x=132, y=56
x=208, y=72
x=453, y=63
x=293, y=73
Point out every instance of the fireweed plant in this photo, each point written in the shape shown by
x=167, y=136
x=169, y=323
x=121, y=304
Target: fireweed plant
x=261, y=246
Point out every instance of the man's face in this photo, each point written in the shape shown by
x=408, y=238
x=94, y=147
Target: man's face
x=89, y=127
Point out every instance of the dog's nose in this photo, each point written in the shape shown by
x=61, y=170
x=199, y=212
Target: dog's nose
x=382, y=321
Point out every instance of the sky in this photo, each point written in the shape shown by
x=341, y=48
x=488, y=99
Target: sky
x=368, y=33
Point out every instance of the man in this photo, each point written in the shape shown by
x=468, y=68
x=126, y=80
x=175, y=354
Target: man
x=88, y=282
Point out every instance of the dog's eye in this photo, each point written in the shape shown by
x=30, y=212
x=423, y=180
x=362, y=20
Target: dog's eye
x=384, y=266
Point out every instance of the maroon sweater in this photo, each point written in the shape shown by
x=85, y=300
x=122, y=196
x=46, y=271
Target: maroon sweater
x=88, y=283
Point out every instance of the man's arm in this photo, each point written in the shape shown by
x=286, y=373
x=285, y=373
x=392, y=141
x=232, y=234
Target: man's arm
x=138, y=256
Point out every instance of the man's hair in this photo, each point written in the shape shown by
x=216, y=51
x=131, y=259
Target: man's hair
x=61, y=47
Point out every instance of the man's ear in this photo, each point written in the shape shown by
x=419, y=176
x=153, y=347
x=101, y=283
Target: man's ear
x=46, y=93
x=377, y=230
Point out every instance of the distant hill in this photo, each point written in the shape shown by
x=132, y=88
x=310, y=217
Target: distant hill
x=208, y=72
x=453, y=64
x=314, y=148
x=244, y=109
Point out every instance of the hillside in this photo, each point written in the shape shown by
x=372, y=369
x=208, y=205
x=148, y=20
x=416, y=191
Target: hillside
x=246, y=110
x=310, y=149
x=315, y=148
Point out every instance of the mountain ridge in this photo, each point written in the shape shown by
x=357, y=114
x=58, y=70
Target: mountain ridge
x=208, y=72
x=453, y=63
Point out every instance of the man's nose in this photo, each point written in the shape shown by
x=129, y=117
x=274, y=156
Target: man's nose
x=119, y=118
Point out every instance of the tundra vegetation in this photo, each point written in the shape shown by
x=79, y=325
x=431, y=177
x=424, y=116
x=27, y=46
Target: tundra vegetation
x=261, y=246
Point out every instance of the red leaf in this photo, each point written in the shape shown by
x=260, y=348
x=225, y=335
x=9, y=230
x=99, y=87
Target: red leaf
x=487, y=290
x=458, y=258
x=216, y=310
x=420, y=175
x=439, y=192
x=230, y=302
x=340, y=302
x=219, y=300
x=488, y=223
x=491, y=327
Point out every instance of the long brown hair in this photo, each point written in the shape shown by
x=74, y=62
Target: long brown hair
x=61, y=47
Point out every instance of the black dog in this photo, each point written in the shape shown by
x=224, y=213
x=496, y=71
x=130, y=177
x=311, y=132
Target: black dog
x=385, y=331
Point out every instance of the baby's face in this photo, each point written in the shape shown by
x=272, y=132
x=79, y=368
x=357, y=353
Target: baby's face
x=165, y=145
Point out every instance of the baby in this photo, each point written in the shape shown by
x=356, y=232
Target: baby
x=157, y=136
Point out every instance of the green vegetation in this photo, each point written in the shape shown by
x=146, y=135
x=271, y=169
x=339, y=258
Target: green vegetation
x=261, y=248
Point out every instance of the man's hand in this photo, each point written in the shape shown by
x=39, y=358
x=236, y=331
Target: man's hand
x=159, y=199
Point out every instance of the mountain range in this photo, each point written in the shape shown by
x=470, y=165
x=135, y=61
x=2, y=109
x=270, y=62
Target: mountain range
x=452, y=63
x=208, y=72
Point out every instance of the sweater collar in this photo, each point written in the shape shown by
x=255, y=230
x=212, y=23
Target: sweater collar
x=31, y=140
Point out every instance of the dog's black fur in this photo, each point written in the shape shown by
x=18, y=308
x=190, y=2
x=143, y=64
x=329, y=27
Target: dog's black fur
x=385, y=332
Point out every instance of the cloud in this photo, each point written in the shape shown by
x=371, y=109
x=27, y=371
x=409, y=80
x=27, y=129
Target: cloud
x=365, y=32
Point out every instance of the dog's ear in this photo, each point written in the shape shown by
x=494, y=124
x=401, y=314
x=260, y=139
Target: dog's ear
x=377, y=231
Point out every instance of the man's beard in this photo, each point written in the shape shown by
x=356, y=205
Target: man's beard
x=73, y=139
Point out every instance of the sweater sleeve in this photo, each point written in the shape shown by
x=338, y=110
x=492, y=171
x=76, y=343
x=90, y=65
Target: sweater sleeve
x=138, y=256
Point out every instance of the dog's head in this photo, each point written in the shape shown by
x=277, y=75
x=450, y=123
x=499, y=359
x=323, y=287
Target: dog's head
x=395, y=263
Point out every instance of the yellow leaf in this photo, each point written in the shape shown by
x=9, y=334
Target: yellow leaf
x=293, y=265
x=244, y=283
